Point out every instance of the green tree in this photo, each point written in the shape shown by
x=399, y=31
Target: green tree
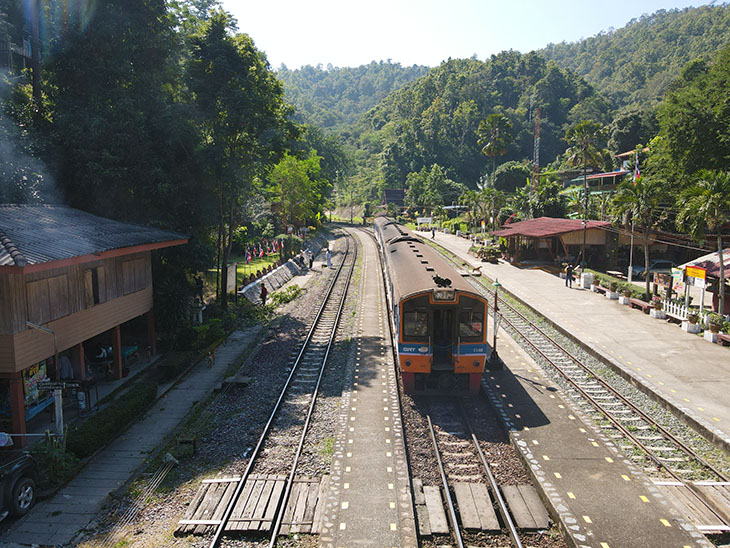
x=296, y=184
x=705, y=207
x=584, y=150
x=494, y=137
x=241, y=119
x=643, y=204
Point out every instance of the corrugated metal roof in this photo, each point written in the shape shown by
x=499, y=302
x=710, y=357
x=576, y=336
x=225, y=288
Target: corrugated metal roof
x=545, y=227
x=711, y=262
x=34, y=234
x=413, y=263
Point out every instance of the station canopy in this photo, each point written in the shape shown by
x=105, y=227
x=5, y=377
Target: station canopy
x=546, y=227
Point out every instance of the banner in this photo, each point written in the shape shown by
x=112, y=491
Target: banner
x=696, y=272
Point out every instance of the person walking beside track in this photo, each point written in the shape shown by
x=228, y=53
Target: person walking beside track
x=264, y=293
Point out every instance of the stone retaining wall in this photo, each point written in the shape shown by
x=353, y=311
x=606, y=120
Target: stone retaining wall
x=279, y=275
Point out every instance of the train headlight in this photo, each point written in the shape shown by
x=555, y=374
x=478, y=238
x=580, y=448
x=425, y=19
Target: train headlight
x=444, y=295
x=477, y=364
x=408, y=363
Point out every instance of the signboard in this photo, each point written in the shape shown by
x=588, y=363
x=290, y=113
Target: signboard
x=231, y=278
x=423, y=220
x=696, y=272
x=32, y=378
x=677, y=275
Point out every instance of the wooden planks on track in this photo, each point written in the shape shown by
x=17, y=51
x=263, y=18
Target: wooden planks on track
x=475, y=507
x=706, y=519
x=256, y=507
x=525, y=506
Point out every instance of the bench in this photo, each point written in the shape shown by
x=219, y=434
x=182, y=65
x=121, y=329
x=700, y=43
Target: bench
x=638, y=303
x=723, y=338
x=601, y=289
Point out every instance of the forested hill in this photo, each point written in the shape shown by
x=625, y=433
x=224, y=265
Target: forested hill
x=634, y=64
x=334, y=98
x=435, y=119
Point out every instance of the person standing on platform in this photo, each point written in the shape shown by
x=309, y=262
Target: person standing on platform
x=264, y=294
x=569, y=276
x=328, y=257
x=433, y=233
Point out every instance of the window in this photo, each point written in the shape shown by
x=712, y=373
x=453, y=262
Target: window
x=471, y=323
x=91, y=287
x=415, y=324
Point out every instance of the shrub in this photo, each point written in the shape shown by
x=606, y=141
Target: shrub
x=286, y=295
x=99, y=430
x=55, y=464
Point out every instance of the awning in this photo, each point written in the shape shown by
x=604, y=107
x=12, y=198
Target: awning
x=711, y=262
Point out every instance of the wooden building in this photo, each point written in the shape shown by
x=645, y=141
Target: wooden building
x=552, y=240
x=66, y=276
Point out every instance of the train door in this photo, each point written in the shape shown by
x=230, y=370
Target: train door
x=443, y=337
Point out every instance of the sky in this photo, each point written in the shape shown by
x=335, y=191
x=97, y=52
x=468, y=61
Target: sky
x=424, y=32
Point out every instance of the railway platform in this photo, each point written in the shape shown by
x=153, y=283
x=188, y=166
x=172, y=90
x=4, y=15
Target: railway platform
x=601, y=498
x=684, y=372
x=369, y=501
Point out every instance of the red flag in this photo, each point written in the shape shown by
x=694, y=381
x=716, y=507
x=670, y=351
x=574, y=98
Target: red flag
x=248, y=255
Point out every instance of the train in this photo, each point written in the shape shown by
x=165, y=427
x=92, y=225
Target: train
x=440, y=320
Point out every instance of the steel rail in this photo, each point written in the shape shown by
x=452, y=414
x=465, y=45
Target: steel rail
x=671, y=437
x=684, y=447
x=290, y=481
x=247, y=472
x=628, y=434
x=649, y=453
x=501, y=503
x=445, y=482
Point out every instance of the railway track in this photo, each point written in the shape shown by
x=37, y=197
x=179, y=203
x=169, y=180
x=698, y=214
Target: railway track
x=461, y=464
x=286, y=428
x=658, y=451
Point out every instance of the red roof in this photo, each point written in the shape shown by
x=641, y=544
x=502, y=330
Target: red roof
x=545, y=227
x=711, y=262
x=608, y=174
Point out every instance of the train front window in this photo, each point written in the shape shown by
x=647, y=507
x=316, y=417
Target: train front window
x=471, y=323
x=415, y=325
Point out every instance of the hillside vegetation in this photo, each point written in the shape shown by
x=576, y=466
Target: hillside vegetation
x=634, y=65
x=334, y=98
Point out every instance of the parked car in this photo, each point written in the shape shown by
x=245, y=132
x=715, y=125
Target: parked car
x=18, y=477
x=662, y=266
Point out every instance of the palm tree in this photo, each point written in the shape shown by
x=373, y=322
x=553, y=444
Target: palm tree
x=494, y=136
x=705, y=207
x=493, y=201
x=584, y=151
x=642, y=203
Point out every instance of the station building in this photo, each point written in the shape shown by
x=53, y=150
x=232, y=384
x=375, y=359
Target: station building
x=67, y=276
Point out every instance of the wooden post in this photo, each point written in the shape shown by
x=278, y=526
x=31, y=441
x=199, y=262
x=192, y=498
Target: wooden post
x=117, y=351
x=17, y=409
x=79, y=358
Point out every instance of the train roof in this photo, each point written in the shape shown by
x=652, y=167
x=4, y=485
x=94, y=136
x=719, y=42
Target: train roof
x=413, y=263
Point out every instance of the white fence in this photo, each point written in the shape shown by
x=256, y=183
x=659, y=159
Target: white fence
x=680, y=311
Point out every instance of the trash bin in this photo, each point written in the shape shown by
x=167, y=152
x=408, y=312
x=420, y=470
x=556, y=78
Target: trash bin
x=586, y=279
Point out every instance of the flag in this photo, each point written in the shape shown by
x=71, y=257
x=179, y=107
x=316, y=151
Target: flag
x=261, y=251
x=248, y=255
x=637, y=173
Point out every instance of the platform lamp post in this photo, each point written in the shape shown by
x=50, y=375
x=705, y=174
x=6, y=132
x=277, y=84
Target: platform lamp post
x=494, y=361
x=57, y=392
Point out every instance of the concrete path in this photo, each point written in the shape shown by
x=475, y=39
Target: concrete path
x=56, y=521
x=689, y=373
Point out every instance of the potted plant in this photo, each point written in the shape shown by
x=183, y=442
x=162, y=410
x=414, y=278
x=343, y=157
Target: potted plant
x=692, y=317
x=613, y=286
x=714, y=322
x=656, y=301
